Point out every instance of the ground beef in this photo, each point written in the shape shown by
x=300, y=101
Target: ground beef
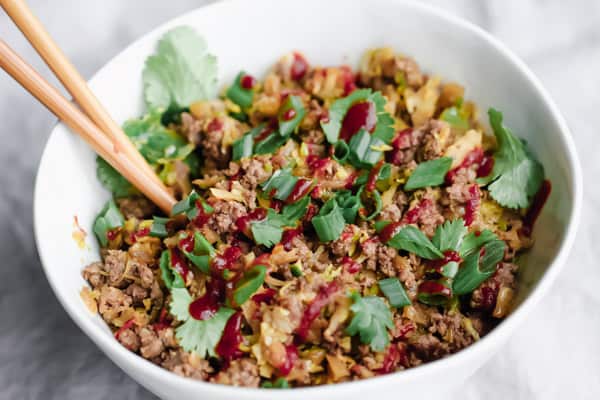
x=137, y=293
x=113, y=302
x=129, y=339
x=93, y=273
x=190, y=128
x=136, y=207
x=185, y=364
x=225, y=213
x=242, y=372
x=405, y=267
x=342, y=245
x=115, y=264
x=428, y=347
x=254, y=171
x=151, y=345
x=391, y=212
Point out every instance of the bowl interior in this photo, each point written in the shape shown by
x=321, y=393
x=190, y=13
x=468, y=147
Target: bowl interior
x=252, y=36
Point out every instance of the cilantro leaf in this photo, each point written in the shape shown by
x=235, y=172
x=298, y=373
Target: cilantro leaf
x=159, y=146
x=268, y=231
x=449, y=236
x=429, y=173
x=411, y=239
x=517, y=175
x=372, y=318
x=280, y=184
x=200, y=336
x=112, y=180
x=477, y=268
x=474, y=241
x=295, y=211
x=180, y=72
x=384, y=129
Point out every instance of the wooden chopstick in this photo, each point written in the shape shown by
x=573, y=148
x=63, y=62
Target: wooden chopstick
x=66, y=111
x=72, y=80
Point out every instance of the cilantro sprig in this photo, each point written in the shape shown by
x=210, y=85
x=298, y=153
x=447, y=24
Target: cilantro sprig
x=180, y=72
x=200, y=336
x=429, y=173
x=517, y=175
x=371, y=320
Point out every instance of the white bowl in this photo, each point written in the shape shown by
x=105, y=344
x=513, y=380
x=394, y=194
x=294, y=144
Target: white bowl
x=252, y=35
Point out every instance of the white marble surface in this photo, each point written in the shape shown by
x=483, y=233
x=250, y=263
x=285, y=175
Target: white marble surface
x=43, y=355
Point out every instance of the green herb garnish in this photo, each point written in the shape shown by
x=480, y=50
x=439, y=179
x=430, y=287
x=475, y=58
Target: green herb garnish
x=449, y=236
x=371, y=320
x=200, y=336
x=280, y=184
x=238, y=94
x=395, y=293
x=413, y=240
x=180, y=72
x=288, y=126
x=517, y=175
x=159, y=227
x=429, y=173
x=249, y=284
x=170, y=276
x=329, y=223
x=477, y=268
x=109, y=218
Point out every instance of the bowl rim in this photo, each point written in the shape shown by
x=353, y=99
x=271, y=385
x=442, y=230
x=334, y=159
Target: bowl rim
x=114, y=350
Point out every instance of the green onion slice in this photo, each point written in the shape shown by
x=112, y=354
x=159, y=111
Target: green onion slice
x=395, y=293
x=109, y=218
x=280, y=184
x=329, y=223
x=249, y=284
x=159, y=227
x=171, y=277
x=477, y=268
x=290, y=120
x=239, y=95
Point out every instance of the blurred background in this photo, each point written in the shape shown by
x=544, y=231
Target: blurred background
x=43, y=355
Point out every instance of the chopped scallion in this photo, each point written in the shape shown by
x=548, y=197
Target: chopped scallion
x=109, y=218
x=395, y=293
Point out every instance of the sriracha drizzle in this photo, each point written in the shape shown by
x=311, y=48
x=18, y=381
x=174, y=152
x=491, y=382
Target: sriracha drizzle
x=361, y=115
x=229, y=345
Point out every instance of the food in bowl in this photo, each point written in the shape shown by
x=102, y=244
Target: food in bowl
x=334, y=224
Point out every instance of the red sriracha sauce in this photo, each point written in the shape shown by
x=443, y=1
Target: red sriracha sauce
x=449, y=256
x=472, y=204
x=206, y=306
x=202, y=218
x=265, y=296
x=247, y=82
x=476, y=156
x=361, y=115
x=538, y=202
x=291, y=356
x=215, y=125
x=314, y=309
x=350, y=265
x=288, y=236
x=391, y=230
x=243, y=223
x=348, y=76
x=126, y=325
x=164, y=321
x=187, y=243
x=302, y=187
x=276, y=204
x=289, y=114
x=400, y=142
x=316, y=164
x=373, y=175
x=391, y=359
x=229, y=345
x=179, y=263
x=435, y=288
x=299, y=67
x=226, y=260
x=112, y=234
x=350, y=180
